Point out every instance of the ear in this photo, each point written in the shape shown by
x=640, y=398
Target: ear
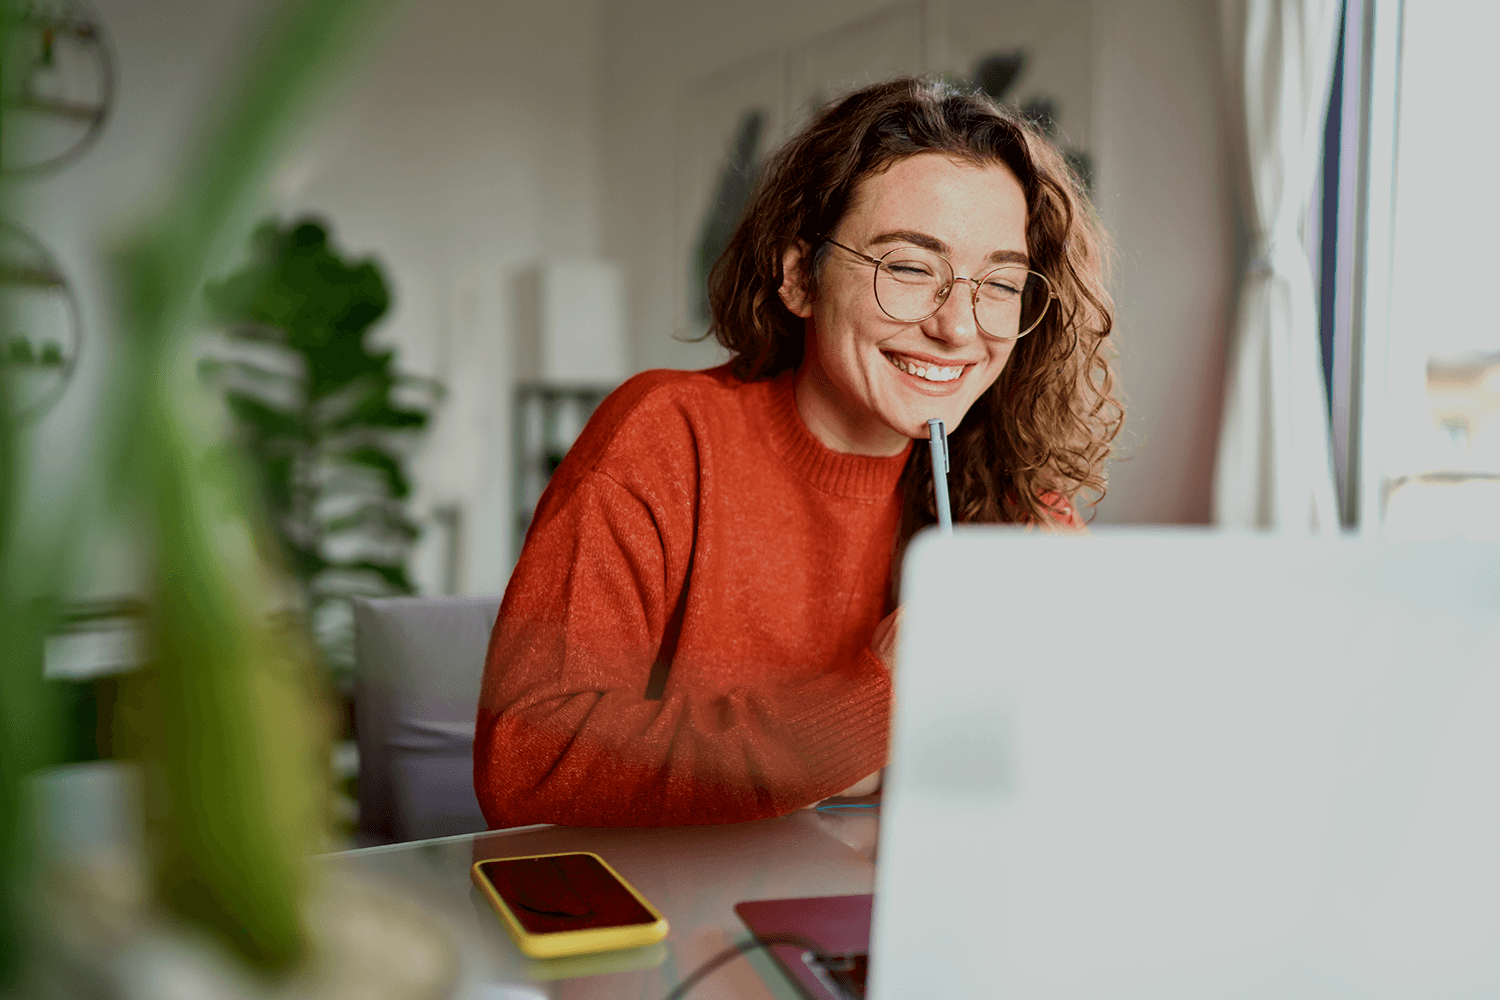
x=794, y=291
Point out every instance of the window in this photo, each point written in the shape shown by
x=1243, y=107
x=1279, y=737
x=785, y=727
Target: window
x=1440, y=459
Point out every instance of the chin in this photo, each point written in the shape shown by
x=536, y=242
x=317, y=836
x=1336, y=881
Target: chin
x=909, y=416
x=915, y=427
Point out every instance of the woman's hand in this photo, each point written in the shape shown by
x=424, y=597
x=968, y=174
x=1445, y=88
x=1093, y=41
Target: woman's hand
x=883, y=642
x=868, y=785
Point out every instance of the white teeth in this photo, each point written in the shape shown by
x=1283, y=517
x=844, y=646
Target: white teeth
x=930, y=374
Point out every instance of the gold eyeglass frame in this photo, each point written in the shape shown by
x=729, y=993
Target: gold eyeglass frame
x=953, y=279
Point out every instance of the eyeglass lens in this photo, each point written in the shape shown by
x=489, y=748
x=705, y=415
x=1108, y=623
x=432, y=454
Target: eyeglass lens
x=911, y=284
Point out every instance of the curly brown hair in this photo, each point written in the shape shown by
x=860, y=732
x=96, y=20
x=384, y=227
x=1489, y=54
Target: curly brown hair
x=1044, y=428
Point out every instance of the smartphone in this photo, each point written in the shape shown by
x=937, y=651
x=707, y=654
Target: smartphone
x=567, y=904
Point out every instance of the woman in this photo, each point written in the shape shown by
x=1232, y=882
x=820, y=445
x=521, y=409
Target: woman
x=700, y=627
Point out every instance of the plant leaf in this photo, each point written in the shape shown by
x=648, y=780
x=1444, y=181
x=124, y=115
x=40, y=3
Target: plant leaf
x=376, y=517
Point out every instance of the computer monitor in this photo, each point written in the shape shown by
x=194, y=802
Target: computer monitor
x=1177, y=764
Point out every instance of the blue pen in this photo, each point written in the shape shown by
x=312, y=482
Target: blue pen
x=937, y=444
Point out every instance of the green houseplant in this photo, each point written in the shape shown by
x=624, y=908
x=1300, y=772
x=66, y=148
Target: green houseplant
x=325, y=417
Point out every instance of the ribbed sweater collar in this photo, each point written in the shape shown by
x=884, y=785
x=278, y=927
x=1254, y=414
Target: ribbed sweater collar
x=861, y=477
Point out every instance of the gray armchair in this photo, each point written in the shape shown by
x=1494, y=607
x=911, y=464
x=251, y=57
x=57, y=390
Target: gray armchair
x=418, y=662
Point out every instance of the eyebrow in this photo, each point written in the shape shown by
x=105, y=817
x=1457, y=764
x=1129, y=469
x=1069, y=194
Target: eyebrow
x=936, y=245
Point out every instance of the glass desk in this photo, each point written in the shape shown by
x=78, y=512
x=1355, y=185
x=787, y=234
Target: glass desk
x=694, y=875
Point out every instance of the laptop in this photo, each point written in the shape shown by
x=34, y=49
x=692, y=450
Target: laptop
x=1177, y=764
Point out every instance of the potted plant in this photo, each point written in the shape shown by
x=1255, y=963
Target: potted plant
x=325, y=416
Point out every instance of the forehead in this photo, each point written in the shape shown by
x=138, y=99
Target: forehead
x=962, y=203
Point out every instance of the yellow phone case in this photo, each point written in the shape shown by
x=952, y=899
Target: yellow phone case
x=560, y=943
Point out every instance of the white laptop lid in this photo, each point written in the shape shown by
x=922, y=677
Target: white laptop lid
x=1183, y=765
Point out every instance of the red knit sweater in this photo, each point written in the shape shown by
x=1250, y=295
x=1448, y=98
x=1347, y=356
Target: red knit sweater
x=685, y=636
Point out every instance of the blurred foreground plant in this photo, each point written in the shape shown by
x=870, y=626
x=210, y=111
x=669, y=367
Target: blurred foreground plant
x=235, y=752
x=28, y=727
x=29, y=736
x=231, y=730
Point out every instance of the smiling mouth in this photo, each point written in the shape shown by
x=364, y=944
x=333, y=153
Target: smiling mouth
x=931, y=373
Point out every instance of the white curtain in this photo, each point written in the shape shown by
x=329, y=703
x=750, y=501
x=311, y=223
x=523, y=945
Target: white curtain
x=1275, y=466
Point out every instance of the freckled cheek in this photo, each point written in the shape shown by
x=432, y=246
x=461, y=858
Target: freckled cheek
x=843, y=332
x=991, y=373
x=1000, y=358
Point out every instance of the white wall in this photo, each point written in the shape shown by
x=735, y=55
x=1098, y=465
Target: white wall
x=1165, y=195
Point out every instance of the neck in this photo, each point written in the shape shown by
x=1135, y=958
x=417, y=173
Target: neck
x=816, y=404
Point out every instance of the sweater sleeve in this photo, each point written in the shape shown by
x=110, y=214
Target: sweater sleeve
x=566, y=732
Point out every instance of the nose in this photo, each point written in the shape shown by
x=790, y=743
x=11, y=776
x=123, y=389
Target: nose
x=954, y=323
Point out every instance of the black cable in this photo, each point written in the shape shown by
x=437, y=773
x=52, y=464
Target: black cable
x=744, y=948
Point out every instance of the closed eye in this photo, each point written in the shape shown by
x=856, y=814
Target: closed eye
x=999, y=287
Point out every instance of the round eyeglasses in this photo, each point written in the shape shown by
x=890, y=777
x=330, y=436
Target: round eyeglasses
x=912, y=284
